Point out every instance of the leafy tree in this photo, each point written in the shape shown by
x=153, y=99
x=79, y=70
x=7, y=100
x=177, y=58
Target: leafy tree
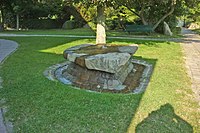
x=26, y=9
x=194, y=12
x=101, y=26
x=153, y=12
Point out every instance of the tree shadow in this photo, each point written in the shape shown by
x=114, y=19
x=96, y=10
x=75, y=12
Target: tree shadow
x=164, y=120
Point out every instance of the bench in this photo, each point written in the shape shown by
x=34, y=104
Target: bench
x=139, y=28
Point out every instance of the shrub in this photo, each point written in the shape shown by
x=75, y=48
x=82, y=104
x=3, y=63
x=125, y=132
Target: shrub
x=176, y=30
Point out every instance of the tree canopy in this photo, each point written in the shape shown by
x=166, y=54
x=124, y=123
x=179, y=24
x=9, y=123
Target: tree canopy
x=149, y=12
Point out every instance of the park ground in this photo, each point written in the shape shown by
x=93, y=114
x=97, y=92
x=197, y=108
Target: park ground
x=36, y=104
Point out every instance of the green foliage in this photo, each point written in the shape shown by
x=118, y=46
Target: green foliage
x=118, y=16
x=92, y=25
x=88, y=12
x=176, y=30
x=194, y=13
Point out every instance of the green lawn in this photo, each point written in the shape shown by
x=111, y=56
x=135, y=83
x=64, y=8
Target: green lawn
x=36, y=104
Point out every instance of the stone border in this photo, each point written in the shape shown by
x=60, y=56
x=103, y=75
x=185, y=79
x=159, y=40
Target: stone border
x=54, y=73
x=144, y=81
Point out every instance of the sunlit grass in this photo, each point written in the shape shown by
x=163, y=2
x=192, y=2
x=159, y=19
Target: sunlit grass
x=59, y=49
x=36, y=104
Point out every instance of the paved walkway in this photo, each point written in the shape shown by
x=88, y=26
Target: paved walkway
x=6, y=48
x=191, y=46
x=109, y=37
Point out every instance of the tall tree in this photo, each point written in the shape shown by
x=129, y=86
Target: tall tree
x=101, y=30
x=101, y=5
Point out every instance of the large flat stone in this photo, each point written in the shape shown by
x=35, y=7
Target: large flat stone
x=110, y=62
x=124, y=71
x=131, y=49
x=70, y=52
x=78, y=47
x=72, y=56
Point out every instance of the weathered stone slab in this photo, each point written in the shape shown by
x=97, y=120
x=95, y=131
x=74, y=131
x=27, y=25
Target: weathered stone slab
x=124, y=71
x=167, y=30
x=71, y=51
x=72, y=56
x=128, y=49
x=110, y=62
x=78, y=47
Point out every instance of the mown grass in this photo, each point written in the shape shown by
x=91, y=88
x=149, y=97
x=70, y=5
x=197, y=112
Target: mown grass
x=78, y=31
x=36, y=104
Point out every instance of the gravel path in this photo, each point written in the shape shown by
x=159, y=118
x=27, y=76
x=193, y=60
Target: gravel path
x=6, y=48
x=109, y=37
x=191, y=46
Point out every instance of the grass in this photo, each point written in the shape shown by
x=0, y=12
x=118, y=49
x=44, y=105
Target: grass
x=36, y=104
x=88, y=32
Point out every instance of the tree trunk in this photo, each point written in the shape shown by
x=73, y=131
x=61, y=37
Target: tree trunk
x=143, y=19
x=17, y=17
x=166, y=15
x=101, y=32
x=1, y=21
x=142, y=16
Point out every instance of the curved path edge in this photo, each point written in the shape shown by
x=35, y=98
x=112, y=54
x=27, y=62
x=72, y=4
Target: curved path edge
x=191, y=48
x=89, y=37
x=7, y=47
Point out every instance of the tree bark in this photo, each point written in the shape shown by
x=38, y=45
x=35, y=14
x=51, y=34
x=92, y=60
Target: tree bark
x=142, y=16
x=17, y=17
x=166, y=15
x=101, y=32
x=1, y=20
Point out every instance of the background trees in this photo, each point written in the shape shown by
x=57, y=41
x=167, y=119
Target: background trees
x=114, y=13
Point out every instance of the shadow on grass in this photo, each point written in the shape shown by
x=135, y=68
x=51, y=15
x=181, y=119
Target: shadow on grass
x=164, y=120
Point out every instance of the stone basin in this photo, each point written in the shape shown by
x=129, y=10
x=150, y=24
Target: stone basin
x=109, y=65
x=108, y=59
